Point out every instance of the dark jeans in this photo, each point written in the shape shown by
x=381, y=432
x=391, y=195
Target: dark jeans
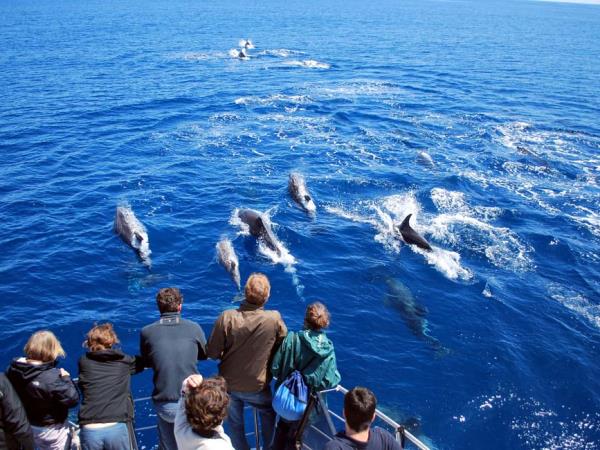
x=114, y=437
x=285, y=435
x=262, y=402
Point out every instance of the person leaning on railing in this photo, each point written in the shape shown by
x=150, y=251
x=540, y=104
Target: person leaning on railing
x=359, y=412
x=310, y=352
x=47, y=392
x=15, y=431
x=244, y=340
x=172, y=346
x=106, y=413
x=200, y=414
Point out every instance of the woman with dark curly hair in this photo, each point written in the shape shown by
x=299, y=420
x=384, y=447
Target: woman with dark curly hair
x=202, y=409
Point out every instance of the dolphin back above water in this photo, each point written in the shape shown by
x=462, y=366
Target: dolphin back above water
x=229, y=260
x=133, y=233
x=260, y=228
x=410, y=236
x=300, y=194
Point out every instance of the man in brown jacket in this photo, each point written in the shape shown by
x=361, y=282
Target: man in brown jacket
x=245, y=340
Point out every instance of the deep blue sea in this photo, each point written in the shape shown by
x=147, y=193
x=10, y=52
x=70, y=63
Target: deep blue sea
x=479, y=117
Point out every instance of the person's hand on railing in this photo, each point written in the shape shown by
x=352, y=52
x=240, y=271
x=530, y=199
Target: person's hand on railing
x=191, y=382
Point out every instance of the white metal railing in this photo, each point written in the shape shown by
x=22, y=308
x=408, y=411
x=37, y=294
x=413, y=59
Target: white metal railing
x=400, y=432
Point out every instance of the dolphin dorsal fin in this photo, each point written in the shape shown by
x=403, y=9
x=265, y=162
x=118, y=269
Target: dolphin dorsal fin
x=307, y=198
x=405, y=223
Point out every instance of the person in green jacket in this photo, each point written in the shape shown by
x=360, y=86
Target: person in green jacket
x=310, y=352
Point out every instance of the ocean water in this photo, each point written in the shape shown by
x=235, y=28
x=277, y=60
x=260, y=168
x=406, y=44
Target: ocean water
x=481, y=118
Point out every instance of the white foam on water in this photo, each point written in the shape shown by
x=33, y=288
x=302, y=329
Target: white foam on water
x=576, y=302
x=589, y=219
x=356, y=88
x=487, y=291
x=308, y=63
x=199, y=56
x=388, y=212
x=463, y=226
x=273, y=99
x=353, y=216
x=280, y=52
x=445, y=261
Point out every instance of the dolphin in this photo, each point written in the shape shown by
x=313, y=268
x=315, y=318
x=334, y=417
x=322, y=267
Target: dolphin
x=229, y=260
x=133, y=233
x=410, y=236
x=425, y=159
x=260, y=228
x=413, y=314
x=246, y=43
x=299, y=193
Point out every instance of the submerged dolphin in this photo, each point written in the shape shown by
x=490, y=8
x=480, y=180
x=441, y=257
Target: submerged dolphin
x=133, y=233
x=229, y=260
x=298, y=191
x=410, y=236
x=413, y=314
x=260, y=228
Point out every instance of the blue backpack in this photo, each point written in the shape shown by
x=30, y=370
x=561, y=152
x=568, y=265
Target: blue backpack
x=291, y=397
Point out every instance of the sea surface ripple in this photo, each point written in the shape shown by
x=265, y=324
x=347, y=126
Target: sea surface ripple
x=478, y=117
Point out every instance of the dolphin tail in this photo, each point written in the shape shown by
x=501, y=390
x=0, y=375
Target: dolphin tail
x=436, y=345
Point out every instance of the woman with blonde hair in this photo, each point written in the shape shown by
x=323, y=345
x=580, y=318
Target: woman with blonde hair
x=47, y=392
x=106, y=413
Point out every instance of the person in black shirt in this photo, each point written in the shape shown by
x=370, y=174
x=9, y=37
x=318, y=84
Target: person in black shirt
x=106, y=412
x=172, y=346
x=47, y=392
x=15, y=431
x=359, y=412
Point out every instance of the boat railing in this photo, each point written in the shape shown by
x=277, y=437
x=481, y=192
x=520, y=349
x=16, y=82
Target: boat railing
x=404, y=437
x=320, y=426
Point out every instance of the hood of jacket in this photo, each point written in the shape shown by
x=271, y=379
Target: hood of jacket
x=111, y=354
x=26, y=371
x=315, y=342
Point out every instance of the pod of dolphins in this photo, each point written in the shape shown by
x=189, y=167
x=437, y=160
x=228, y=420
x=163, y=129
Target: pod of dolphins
x=133, y=233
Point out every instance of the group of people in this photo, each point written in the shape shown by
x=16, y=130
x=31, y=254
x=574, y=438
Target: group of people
x=252, y=345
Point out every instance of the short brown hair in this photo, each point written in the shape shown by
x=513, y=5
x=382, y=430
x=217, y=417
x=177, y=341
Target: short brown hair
x=169, y=299
x=206, y=405
x=359, y=407
x=101, y=337
x=316, y=317
x=43, y=346
x=257, y=289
